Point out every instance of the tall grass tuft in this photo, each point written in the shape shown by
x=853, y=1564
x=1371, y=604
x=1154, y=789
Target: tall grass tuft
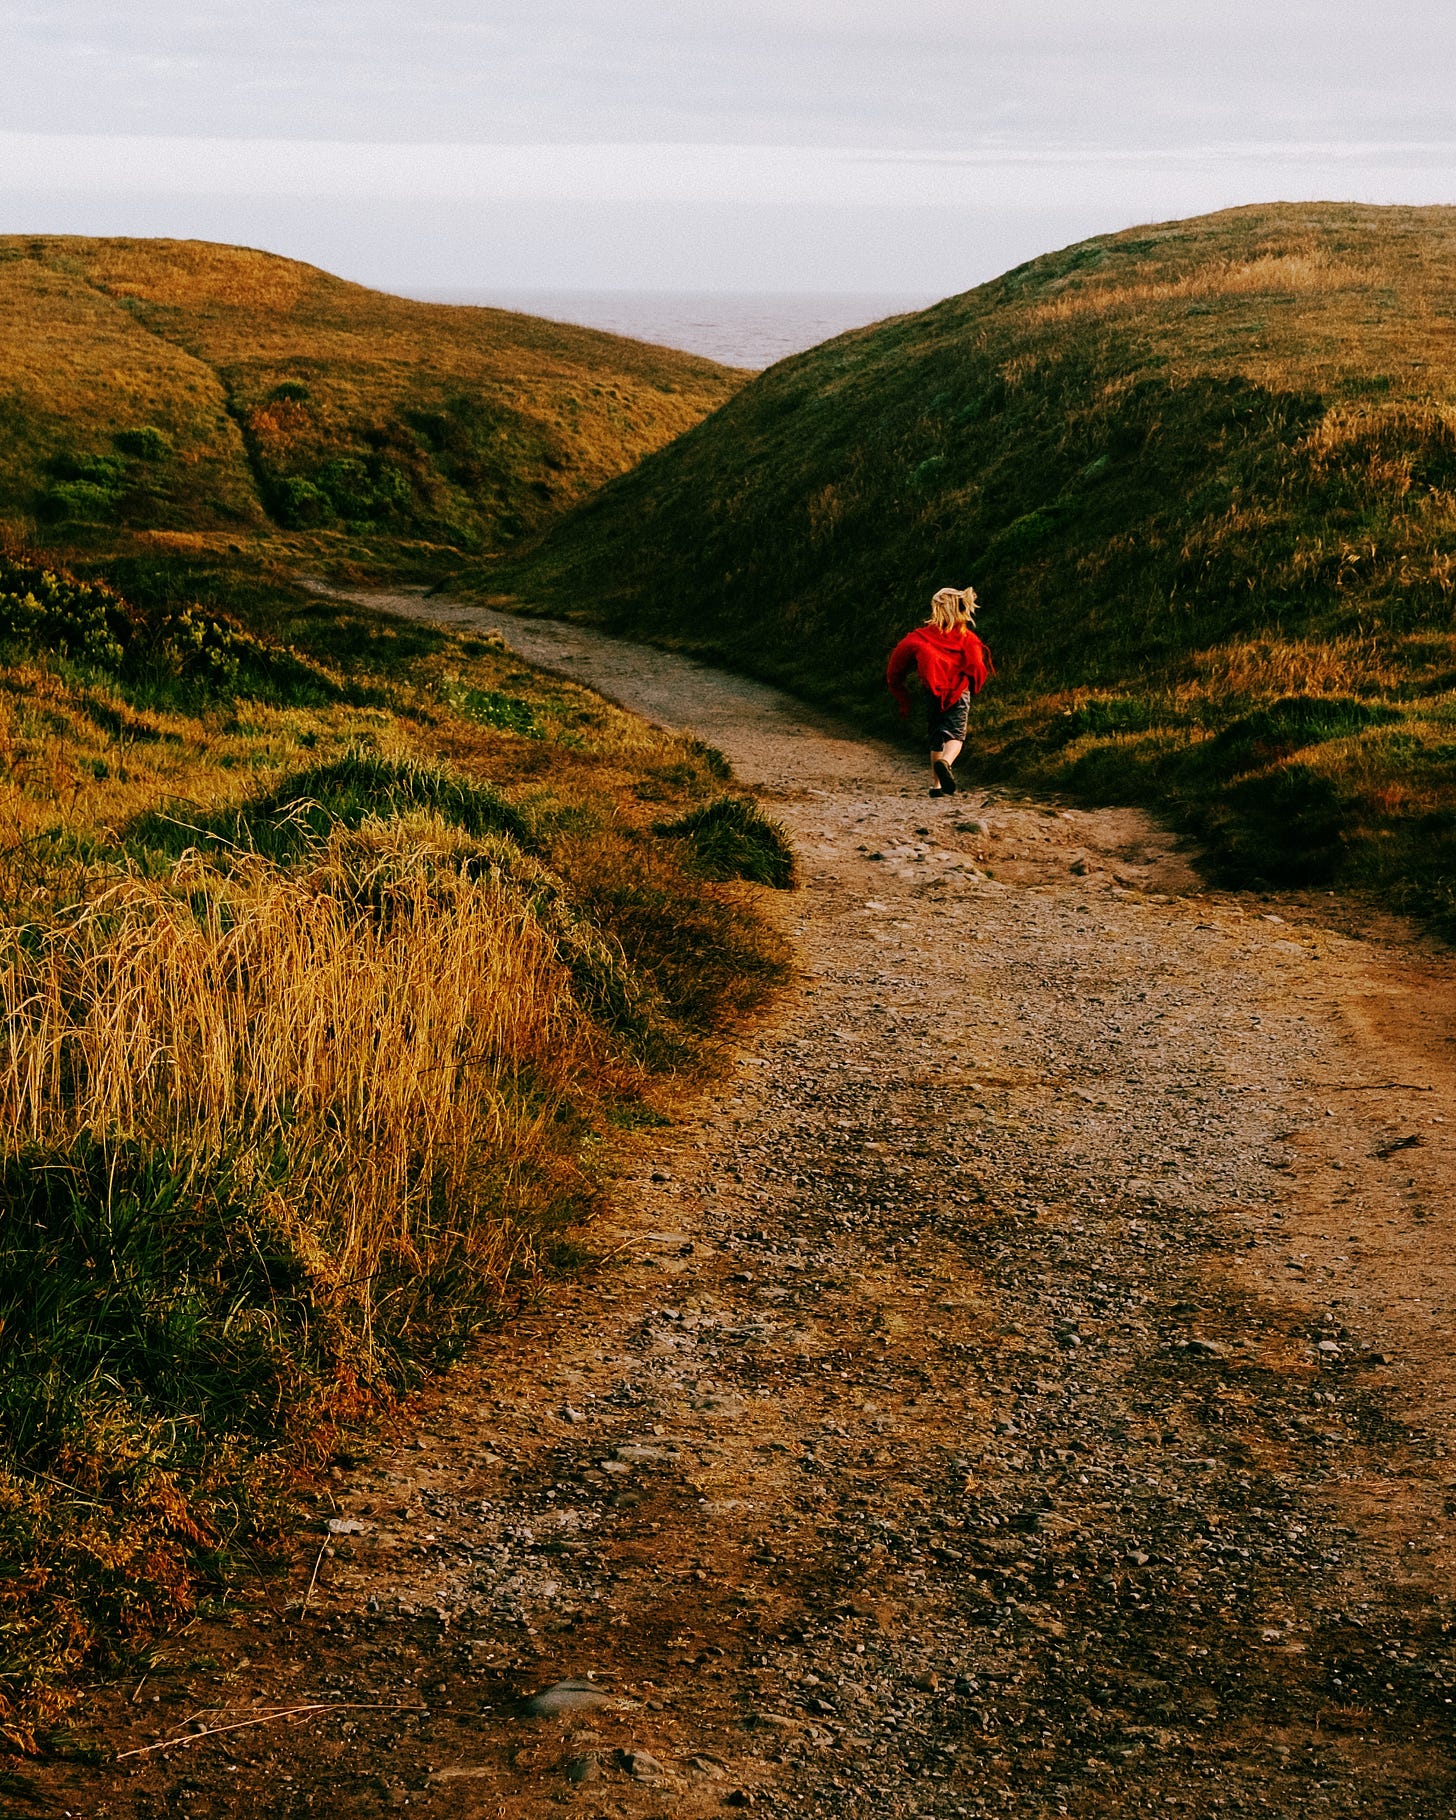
x=374, y=1040
x=731, y=837
x=303, y=808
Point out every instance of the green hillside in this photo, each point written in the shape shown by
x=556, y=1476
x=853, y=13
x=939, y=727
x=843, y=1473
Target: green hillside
x=163, y=386
x=1204, y=477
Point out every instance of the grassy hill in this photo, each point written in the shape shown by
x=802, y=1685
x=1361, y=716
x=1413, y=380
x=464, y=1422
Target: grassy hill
x=179, y=386
x=1204, y=477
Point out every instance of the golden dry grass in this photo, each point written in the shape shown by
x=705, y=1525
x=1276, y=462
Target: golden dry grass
x=1311, y=271
x=1251, y=669
x=260, y=1014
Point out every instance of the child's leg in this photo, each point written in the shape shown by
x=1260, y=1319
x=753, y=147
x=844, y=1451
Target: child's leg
x=947, y=736
x=946, y=754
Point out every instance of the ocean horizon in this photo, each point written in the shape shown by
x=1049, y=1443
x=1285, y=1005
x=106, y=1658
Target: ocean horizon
x=739, y=328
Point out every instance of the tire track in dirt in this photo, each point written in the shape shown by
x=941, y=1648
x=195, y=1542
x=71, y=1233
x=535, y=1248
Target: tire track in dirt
x=1025, y=1389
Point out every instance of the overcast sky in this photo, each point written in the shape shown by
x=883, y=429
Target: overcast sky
x=899, y=145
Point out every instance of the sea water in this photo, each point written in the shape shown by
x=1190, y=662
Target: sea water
x=741, y=329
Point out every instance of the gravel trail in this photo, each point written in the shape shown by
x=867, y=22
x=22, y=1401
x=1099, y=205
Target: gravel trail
x=1025, y=1389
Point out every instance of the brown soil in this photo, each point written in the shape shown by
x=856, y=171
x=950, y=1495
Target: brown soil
x=1026, y=1388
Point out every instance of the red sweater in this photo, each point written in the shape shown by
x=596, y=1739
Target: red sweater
x=949, y=663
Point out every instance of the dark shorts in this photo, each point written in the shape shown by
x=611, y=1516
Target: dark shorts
x=948, y=723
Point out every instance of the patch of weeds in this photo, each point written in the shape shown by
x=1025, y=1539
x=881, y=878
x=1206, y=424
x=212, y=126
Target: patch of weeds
x=492, y=708
x=487, y=646
x=346, y=634
x=118, y=1269
x=701, y=958
x=709, y=757
x=148, y=1328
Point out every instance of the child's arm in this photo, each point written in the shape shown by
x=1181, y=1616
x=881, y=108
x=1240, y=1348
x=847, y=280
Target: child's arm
x=902, y=661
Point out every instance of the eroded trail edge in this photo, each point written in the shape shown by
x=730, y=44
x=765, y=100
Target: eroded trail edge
x=1024, y=1390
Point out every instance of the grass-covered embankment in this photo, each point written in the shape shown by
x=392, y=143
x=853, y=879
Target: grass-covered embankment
x=176, y=386
x=1204, y=476
x=335, y=956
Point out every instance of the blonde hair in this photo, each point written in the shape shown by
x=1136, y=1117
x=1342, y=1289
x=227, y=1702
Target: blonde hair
x=952, y=609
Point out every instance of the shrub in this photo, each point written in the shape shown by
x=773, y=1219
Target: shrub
x=358, y=491
x=145, y=444
x=79, y=502
x=491, y=708
x=929, y=471
x=50, y=612
x=363, y=490
x=44, y=609
x=105, y=471
x=347, y=485
x=298, y=503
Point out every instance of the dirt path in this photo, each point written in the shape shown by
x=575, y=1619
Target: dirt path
x=1027, y=1389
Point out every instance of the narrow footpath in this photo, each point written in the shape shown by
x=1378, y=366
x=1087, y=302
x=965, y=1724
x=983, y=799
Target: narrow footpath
x=1025, y=1389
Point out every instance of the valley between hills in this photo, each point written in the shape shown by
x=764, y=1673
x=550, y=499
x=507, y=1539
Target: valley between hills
x=571, y=1240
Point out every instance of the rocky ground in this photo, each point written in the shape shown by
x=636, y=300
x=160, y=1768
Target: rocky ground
x=1026, y=1389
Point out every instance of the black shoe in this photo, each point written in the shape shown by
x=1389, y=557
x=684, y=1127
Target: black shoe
x=946, y=776
x=935, y=793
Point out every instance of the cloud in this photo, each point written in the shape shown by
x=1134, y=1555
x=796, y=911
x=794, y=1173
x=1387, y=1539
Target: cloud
x=934, y=73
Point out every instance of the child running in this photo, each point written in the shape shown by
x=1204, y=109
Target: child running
x=953, y=665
